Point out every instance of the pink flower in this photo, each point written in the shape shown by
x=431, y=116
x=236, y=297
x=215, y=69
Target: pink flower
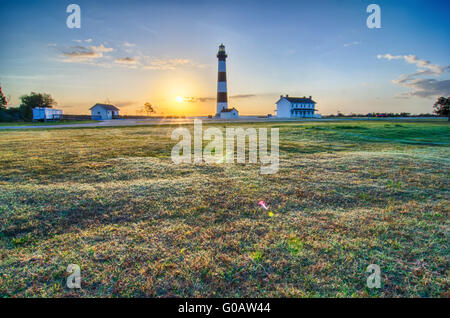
x=261, y=203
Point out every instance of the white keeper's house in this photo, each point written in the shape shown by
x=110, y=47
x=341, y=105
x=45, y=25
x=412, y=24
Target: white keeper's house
x=296, y=107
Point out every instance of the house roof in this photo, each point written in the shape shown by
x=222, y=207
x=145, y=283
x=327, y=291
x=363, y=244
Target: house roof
x=305, y=100
x=227, y=110
x=105, y=106
x=300, y=100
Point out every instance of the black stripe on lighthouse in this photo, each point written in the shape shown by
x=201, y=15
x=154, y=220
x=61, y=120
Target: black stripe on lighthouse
x=222, y=77
x=222, y=97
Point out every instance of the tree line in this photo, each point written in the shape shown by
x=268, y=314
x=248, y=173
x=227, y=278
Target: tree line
x=25, y=111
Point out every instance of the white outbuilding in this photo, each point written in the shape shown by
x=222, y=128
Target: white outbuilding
x=47, y=113
x=228, y=113
x=296, y=107
x=104, y=112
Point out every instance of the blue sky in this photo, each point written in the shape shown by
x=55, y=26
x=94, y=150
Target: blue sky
x=130, y=52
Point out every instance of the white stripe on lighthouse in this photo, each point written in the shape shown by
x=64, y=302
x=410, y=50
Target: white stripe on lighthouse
x=222, y=66
x=222, y=87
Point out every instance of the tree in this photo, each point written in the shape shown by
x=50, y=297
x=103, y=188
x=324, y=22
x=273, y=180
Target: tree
x=442, y=107
x=3, y=101
x=34, y=100
x=148, y=108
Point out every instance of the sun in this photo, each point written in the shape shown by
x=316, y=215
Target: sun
x=179, y=99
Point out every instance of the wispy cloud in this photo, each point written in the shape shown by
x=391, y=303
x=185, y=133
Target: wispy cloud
x=191, y=99
x=352, y=43
x=98, y=55
x=426, y=87
x=124, y=104
x=126, y=60
x=421, y=87
x=166, y=64
x=82, y=54
x=149, y=30
x=425, y=66
x=81, y=41
x=243, y=96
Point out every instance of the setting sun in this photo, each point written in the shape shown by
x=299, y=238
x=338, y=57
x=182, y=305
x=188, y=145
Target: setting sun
x=179, y=99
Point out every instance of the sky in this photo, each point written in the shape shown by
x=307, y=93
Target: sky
x=131, y=52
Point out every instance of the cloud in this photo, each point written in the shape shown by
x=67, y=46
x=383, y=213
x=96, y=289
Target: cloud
x=243, y=96
x=149, y=30
x=166, y=64
x=82, y=54
x=427, y=87
x=421, y=87
x=426, y=66
x=190, y=99
x=125, y=104
x=126, y=60
x=81, y=41
x=97, y=55
x=352, y=43
x=207, y=99
x=127, y=44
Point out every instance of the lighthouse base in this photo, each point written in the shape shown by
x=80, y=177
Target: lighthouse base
x=228, y=113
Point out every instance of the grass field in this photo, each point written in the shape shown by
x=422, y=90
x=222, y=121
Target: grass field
x=347, y=194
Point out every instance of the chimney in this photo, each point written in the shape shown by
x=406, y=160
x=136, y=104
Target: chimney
x=310, y=97
x=281, y=96
x=287, y=95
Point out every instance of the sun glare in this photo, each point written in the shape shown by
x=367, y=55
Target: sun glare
x=179, y=99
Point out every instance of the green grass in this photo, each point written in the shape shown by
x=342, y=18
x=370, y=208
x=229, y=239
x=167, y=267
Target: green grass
x=110, y=200
x=49, y=123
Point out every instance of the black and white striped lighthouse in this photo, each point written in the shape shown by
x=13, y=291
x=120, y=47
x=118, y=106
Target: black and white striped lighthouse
x=222, y=98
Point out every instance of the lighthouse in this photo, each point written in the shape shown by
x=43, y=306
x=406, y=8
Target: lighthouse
x=222, y=96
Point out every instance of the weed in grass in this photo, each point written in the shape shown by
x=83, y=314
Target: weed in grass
x=256, y=256
x=295, y=245
x=395, y=185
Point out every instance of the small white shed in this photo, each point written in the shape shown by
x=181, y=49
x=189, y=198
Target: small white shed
x=46, y=113
x=228, y=113
x=104, y=112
